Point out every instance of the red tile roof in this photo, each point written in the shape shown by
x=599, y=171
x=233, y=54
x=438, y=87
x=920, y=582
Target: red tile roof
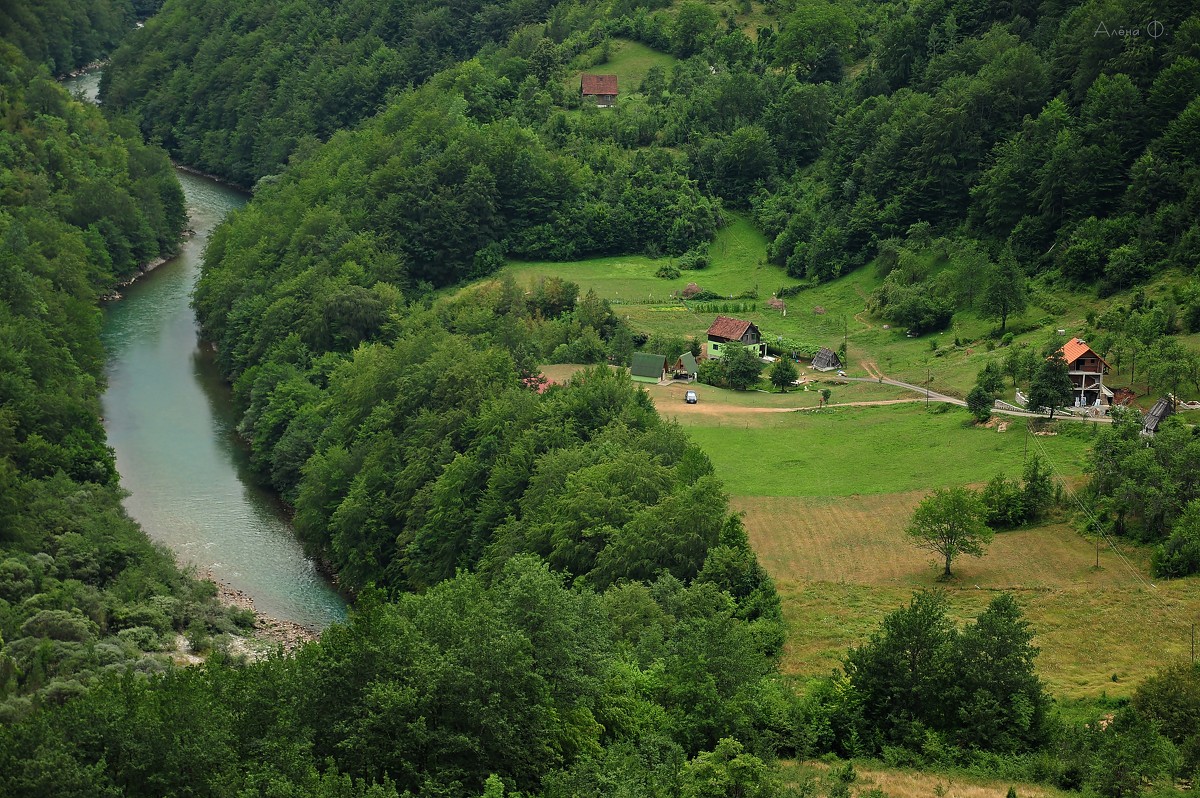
x=729, y=329
x=1074, y=349
x=598, y=84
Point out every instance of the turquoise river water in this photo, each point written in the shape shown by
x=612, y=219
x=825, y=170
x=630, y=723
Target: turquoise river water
x=171, y=422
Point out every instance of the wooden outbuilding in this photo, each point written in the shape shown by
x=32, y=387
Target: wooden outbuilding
x=826, y=360
x=1162, y=408
x=686, y=367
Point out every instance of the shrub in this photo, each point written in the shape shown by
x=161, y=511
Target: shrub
x=143, y=638
x=1005, y=502
x=1179, y=555
x=693, y=259
x=979, y=402
x=60, y=625
x=667, y=272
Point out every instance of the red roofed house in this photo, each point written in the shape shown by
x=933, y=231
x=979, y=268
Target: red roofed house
x=725, y=331
x=601, y=88
x=1087, y=370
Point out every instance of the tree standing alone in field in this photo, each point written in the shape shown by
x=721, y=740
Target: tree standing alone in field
x=950, y=522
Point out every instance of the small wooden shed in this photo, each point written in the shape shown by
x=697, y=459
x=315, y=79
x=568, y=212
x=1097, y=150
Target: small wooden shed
x=826, y=360
x=686, y=366
x=1162, y=408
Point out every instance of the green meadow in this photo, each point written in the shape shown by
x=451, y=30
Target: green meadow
x=861, y=450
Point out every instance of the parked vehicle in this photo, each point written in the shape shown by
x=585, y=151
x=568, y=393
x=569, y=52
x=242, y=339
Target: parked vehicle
x=690, y=397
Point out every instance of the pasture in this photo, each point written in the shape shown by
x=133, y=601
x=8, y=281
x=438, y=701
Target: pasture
x=841, y=451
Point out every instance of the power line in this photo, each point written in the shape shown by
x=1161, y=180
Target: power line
x=1099, y=528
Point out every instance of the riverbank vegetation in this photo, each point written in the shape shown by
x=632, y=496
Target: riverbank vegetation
x=82, y=591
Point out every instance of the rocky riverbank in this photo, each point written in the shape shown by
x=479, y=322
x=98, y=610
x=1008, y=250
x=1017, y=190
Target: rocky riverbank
x=289, y=634
x=115, y=295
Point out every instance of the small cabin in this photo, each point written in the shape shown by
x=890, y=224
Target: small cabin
x=647, y=367
x=685, y=367
x=601, y=89
x=726, y=331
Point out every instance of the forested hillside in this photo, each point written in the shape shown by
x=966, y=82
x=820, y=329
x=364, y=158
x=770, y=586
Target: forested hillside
x=82, y=590
x=1021, y=127
x=553, y=595
x=235, y=87
x=64, y=35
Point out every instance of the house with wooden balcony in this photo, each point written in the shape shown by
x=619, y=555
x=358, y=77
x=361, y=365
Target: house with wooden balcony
x=1087, y=370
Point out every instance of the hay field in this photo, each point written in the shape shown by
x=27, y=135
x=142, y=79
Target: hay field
x=842, y=564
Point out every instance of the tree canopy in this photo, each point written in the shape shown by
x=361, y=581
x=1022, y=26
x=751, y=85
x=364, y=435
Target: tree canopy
x=950, y=522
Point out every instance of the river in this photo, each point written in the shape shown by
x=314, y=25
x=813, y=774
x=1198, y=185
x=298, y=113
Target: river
x=171, y=422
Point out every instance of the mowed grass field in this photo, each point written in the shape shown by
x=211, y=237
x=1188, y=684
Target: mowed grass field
x=826, y=496
x=841, y=565
x=842, y=451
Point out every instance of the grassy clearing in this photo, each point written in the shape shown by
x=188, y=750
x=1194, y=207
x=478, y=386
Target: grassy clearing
x=905, y=783
x=822, y=314
x=630, y=61
x=867, y=450
x=738, y=253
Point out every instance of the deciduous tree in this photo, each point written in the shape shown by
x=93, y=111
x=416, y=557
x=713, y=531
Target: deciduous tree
x=1051, y=386
x=742, y=368
x=950, y=523
x=782, y=374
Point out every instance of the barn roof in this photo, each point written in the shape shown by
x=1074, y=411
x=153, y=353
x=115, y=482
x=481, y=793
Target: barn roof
x=688, y=362
x=729, y=329
x=1075, y=348
x=1161, y=409
x=826, y=359
x=646, y=364
x=598, y=84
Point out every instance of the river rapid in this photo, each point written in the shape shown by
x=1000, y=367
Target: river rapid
x=172, y=425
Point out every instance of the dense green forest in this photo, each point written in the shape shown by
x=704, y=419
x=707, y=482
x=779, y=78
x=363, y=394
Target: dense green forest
x=238, y=87
x=1150, y=490
x=1017, y=131
x=82, y=591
